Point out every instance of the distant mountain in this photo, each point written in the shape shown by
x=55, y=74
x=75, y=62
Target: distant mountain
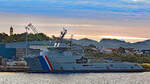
x=113, y=43
x=142, y=45
x=85, y=42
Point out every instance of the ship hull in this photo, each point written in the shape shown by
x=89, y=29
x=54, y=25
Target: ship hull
x=43, y=64
x=84, y=71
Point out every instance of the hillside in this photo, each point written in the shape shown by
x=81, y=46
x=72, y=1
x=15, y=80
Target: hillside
x=85, y=42
x=113, y=43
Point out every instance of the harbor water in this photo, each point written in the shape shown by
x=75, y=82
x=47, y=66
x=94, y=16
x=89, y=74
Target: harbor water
x=75, y=78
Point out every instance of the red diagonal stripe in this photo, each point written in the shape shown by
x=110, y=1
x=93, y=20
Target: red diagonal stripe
x=49, y=63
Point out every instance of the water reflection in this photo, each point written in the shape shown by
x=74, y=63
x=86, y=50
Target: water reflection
x=75, y=78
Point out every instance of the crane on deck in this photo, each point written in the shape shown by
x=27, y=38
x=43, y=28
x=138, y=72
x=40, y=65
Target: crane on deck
x=35, y=31
x=58, y=41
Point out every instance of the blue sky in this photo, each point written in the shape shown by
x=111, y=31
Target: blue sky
x=115, y=16
x=78, y=8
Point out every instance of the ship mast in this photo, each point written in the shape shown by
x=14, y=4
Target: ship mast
x=60, y=39
x=63, y=33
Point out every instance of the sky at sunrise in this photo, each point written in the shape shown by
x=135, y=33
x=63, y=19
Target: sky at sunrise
x=127, y=20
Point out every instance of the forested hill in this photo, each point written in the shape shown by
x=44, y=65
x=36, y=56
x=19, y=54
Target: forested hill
x=5, y=38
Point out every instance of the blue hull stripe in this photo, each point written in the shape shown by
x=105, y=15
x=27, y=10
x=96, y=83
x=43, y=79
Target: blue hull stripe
x=44, y=63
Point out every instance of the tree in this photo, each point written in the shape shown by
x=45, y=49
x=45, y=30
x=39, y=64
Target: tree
x=122, y=50
x=5, y=38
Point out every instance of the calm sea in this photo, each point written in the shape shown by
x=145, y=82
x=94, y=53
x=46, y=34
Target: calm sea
x=75, y=78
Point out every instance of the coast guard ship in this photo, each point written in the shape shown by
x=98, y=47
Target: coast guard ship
x=62, y=58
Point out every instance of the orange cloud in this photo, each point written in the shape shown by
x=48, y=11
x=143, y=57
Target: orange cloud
x=131, y=31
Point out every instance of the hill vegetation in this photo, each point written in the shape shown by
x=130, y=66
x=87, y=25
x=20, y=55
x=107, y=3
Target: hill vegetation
x=5, y=38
